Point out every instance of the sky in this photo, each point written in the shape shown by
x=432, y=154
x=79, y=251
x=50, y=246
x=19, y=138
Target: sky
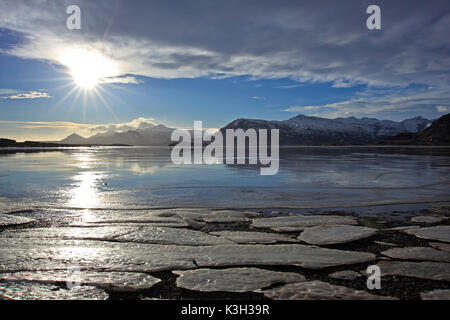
x=135, y=63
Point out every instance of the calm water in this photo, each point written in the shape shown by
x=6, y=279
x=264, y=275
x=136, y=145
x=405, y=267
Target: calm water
x=308, y=176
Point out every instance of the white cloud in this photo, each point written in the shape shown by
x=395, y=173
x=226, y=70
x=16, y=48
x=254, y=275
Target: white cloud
x=123, y=80
x=139, y=123
x=307, y=41
x=298, y=109
x=442, y=109
x=56, y=130
x=291, y=86
x=29, y=95
x=375, y=102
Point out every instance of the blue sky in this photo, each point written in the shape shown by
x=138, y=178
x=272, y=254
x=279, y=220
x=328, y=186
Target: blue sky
x=223, y=61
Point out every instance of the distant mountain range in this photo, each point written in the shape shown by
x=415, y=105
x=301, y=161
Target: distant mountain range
x=305, y=130
x=158, y=135
x=299, y=130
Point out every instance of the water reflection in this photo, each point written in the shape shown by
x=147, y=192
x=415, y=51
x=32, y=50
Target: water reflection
x=85, y=193
x=128, y=177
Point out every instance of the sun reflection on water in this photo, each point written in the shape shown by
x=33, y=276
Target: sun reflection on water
x=85, y=194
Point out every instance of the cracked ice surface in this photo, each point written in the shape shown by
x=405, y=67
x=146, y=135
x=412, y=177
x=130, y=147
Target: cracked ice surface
x=93, y=255
x=439, y=233
x=40, y=291
x=221, y=216
x=81, y=233
x=110, y=281
x=167, y=218
x=424, y=270
x=302, y=221
x=53, y=255
x=318, y=290
x=233, y=279
x=173, y=236
x=253, y=237
x=286, y=254
x=335, y=234
x=10, y=220
x=438, y=294
x=418, y=253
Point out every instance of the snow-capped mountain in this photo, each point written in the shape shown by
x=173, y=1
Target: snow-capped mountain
x=154, y=136
x=305, y=130
x=299, y=130
x=438, y=133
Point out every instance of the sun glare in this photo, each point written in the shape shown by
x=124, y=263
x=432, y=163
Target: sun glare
x=88, y=68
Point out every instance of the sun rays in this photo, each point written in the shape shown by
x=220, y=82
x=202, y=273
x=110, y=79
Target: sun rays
x=88, y=68
x=88, y=72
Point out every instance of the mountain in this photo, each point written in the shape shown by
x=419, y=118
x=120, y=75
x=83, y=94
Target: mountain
x=306, y=130
x=74, y=139
x=438, y=133
x=299, y=130
x=154, y=136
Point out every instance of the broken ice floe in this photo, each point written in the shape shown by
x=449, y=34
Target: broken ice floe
x=109, y=281
x=173, y=236
x=418, y=253
x=438, y=294
x=41, y=291
x=439, y=271
x=335, y=234
x=253, y=237
x=7, y=220
x=318, y=290
x=233, y=279
x=301, y=221
x=439, y=233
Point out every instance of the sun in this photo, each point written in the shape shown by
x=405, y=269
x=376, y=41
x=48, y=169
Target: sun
x=88, y=68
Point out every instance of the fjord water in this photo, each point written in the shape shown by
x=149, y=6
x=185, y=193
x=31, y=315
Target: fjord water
x=122, y=177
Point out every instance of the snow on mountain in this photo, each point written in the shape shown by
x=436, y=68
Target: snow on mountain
x=306, y=130
x=299, y=130
x=152, y=136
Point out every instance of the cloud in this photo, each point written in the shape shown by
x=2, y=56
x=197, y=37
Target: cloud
x=123, y=80
x=442, y=109
x=298, y=109
x=56, y=130
x=291, y=86
x=29, y=95
x=258, y=98
x=307, y=41
x=140, y=123
x=375, y=102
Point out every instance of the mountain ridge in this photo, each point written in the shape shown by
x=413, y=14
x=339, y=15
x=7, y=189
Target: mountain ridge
x=438, y=133
x=310, y=130
x=298, y=130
